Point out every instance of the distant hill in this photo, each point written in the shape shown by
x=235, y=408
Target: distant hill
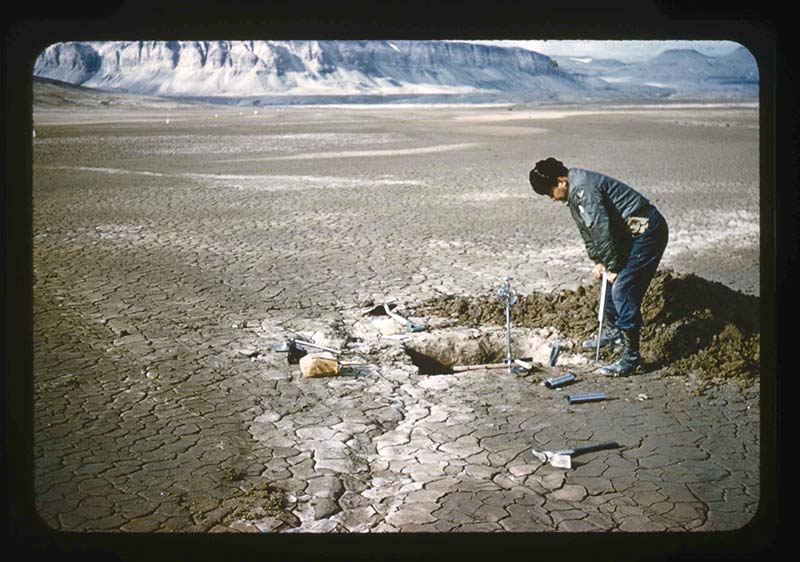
x=589, y=66
x=686, y=72
x=55, y=94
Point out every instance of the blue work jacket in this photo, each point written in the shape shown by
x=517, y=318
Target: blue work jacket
x=601, y=206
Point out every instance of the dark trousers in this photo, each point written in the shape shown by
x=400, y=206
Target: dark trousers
x=624, y=299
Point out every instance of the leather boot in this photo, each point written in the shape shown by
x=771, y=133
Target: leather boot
x=610, y=335
x=630, y=359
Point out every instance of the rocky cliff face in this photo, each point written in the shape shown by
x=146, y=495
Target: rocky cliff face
x=195, y=68
x=74, y=63
x=363, y=68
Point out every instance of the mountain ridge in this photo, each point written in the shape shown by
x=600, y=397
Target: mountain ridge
x=253, y=69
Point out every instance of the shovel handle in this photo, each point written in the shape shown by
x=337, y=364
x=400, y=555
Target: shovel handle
x=601, y=312
x=405, y=321
x=303, y=343
x=590, y=448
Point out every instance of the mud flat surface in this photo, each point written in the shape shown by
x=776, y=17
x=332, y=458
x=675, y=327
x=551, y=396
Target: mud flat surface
x=175, y=246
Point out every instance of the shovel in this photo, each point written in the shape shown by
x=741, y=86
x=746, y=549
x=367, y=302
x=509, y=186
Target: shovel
x=563, y=459
x=411, y=326
x=295, y=349
x=294, y=342
x=601, y=313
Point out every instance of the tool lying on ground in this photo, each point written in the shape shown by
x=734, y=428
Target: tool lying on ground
x=412, y=327
x=563, y=459
x=509, y=296
x=295, y=348
x=555, y=382
x=588, y=397
x=523, y=364
x=601, y=312
x=326, y=363
x=294, y=342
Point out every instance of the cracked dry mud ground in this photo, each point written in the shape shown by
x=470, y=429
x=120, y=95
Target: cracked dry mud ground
x=168, y=257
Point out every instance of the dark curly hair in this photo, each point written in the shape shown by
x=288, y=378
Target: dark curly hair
x=545, y=175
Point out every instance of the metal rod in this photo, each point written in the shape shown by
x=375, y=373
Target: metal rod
x=508, y=336
x=601, y=313
x=510, y=297
x=588, y=397
x=303, y=343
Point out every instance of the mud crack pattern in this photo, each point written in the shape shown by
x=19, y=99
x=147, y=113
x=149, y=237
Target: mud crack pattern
x=164, y=271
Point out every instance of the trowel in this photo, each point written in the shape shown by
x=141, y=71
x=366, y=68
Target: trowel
x=563, y=459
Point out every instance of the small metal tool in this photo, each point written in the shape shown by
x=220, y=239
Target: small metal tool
x=588, y=397
x=554, y=351
x=566, y=378
x=563, y=459
x=525, y=365
x=294, y=342
x=509, y=296
x=295, y=349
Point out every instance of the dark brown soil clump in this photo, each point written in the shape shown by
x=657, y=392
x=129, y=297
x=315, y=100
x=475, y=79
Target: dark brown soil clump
x=692, y=325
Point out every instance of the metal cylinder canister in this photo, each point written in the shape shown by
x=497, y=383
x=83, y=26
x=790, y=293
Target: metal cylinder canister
x=566, y=378
x=588, y=397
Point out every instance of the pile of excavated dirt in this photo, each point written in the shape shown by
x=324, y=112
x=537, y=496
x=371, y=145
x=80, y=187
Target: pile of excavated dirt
x=692, y=325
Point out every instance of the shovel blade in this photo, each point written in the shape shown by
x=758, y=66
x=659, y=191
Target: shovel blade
x=561, y=461
x=558, y=460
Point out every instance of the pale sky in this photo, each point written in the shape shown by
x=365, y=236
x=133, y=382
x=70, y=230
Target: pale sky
x=625, y=51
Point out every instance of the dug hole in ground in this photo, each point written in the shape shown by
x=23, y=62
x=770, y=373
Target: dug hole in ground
x=693, y=327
